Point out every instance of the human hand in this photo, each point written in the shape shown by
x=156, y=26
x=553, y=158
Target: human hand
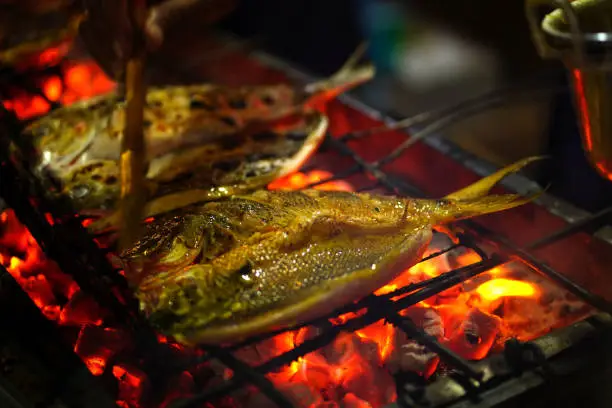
x=108, y=33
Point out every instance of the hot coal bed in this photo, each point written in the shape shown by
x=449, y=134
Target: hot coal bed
x=509, y=311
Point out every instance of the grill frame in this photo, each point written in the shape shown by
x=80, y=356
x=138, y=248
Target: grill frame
x=88, y=268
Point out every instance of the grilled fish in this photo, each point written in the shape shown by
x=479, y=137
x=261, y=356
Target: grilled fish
x=234, y=164
x=226, y=137
x=230, y=269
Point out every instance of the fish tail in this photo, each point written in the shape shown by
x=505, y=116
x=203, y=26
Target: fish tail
x=458, y=210
x=483, y=186
x=475, y=199
x=349, y=76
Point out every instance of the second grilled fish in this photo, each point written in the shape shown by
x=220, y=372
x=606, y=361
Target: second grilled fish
x=233, y=140
x=235, y=164
x=235, y=268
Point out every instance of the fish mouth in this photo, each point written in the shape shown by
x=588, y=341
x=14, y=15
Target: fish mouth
x=305, y=306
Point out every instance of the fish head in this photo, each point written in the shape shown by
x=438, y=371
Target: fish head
x=61, y=137
x=197, y=296
x=168, y=243
x=171, y=265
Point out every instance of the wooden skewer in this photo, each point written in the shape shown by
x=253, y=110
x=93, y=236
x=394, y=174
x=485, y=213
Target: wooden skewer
x=133, y=148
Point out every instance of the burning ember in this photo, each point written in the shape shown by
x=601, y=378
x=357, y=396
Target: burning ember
x=356, y=370
x=77, y=81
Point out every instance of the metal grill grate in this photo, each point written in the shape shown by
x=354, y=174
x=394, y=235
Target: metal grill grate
x=65, y=237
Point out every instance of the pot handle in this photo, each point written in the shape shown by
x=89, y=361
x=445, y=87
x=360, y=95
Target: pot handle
x=534, y=19
x=545, y=50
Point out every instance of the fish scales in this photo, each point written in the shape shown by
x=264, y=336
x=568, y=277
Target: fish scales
x=282, y=261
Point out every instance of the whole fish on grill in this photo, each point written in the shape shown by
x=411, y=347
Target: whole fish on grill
x=212, y=140
x=223, y=164
x=233, y=268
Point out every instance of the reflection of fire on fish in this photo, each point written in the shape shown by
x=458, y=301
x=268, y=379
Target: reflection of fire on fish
x=215, y=139
x=233, y=268
x=27, y=29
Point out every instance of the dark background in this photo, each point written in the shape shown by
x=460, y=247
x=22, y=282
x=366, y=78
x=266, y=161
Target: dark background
x=318, y=35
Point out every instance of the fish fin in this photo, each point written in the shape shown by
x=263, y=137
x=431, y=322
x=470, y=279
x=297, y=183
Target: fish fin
x=475, y=200
x=473, y=207
x=349, y=76
x=483, y=186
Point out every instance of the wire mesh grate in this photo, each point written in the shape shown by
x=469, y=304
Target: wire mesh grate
x=22, y=184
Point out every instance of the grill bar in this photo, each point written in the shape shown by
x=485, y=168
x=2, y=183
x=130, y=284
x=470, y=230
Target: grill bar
x=374, y=314
x=407, y=326
x=247, y=373
x=378, y=307
x=515, y=372
x=543, y=268
x=591, y=222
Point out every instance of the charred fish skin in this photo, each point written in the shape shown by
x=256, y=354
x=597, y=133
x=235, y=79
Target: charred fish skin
x=186, y=126
x=175, y=117
x=81, y=146
x=204, y=174
x=277, y=258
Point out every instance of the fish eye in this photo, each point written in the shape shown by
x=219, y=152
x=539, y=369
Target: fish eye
x=268, y=100
x=376, y=209
x=191, y=294
x=80, y=191
x=246, y=272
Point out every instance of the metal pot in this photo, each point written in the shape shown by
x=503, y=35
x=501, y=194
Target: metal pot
x=579, y=33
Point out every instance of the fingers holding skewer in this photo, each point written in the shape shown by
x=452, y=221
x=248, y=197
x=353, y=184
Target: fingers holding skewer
x=108, y=31
x=170, y=12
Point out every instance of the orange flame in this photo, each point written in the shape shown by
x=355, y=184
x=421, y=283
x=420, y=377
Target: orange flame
x=498, y=288
x=296, y=181
x=81, y=81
